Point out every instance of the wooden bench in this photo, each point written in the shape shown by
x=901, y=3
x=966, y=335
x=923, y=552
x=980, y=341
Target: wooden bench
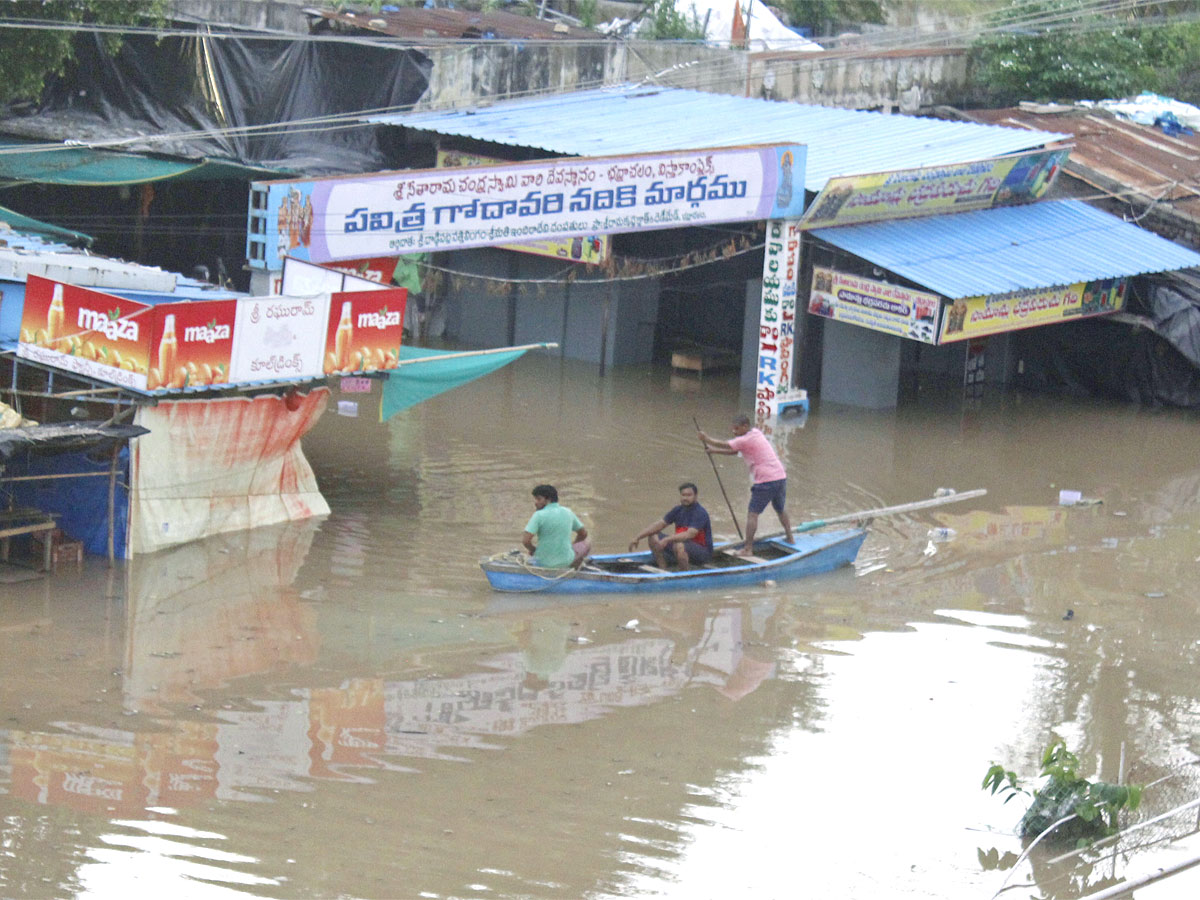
x=15, y=522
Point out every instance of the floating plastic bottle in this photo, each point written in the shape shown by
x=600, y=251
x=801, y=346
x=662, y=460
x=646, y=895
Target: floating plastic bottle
x=942, y=534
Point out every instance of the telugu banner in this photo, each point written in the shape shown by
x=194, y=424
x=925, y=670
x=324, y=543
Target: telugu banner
x=777, y=319
x=889, y=308
x=1003, y=181
x=387, y=214
x=979, y=316
x=592, y=249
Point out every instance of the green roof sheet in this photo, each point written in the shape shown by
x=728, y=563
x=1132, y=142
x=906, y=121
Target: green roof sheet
x=86, y=167
x=29, y=225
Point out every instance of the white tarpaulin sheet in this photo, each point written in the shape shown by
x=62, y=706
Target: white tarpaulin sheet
x=212, y=466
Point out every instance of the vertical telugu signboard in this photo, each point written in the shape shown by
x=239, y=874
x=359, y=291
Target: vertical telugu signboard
x=777, y=320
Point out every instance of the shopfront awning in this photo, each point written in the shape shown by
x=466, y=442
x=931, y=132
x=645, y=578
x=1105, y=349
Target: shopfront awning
x=1007, y=249
x=85, y=167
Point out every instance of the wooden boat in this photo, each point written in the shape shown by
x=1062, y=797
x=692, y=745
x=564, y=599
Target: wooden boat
x=774, y=560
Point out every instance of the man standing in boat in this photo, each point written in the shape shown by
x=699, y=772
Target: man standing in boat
x=692, y=540
x=547, y=537
x=766, y=471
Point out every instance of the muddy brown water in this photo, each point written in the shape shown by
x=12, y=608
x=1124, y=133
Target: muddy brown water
x=342, y=708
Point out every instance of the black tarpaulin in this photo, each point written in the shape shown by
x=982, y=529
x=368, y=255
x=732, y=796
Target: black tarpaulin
x=65, y=437
x=178, y=96
x=1150, y=355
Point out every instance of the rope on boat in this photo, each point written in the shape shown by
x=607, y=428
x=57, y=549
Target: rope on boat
x=517, y=557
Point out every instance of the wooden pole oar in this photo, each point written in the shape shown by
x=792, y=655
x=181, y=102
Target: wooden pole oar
x=719, y=484
x=889, y=510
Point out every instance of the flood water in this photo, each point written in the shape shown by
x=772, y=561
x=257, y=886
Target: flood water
x=343, y=708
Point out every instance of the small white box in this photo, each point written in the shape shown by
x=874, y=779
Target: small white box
x=1069, y=498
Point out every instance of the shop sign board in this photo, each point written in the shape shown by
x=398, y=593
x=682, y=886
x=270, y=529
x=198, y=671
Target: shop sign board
x=84, y=331
x=1002, y=181
x=777, y=318
x=593, y=248
x=364, y=330
x=890, y=308
x=978, y=316
x=208, y=343
x=395, y=213
x=191, y=344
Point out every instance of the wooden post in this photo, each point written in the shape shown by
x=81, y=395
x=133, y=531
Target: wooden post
x=112, y=501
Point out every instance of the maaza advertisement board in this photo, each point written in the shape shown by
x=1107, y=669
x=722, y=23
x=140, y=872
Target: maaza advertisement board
x=85, y=331
x=194, y=345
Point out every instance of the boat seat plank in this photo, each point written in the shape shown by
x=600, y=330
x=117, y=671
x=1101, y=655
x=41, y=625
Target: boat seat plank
x=655, y=569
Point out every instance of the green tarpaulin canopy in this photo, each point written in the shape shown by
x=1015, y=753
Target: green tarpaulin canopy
x=85, y=167
x=27, y=225
x=425, y=373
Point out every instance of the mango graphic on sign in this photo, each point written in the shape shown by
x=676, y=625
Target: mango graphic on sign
x=367, y=333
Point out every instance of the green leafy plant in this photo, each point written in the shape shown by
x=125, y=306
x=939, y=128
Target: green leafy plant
x=1090, y=808
x=666, y=23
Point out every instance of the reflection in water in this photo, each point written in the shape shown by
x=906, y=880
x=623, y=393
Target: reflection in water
x=339, y=707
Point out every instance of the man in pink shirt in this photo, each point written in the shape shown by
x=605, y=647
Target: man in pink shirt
x=766, y=471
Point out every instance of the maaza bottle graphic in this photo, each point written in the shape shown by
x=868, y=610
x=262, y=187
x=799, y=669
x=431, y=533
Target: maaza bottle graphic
x=54, y=318
x=344, y=339
x=168, y=349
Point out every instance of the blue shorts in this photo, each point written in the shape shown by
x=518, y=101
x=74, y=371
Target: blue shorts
x=697, y=553
x=773, y=492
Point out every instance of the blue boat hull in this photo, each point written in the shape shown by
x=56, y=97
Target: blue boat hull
x=809, y=554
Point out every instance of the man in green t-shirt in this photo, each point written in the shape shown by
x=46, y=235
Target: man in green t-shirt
x=547, y=537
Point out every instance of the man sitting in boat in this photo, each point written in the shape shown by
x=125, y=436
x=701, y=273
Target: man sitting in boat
x=692, y=541
x=547, y=537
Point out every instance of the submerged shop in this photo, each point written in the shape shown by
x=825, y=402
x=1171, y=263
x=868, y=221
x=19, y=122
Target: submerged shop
x=939, y=271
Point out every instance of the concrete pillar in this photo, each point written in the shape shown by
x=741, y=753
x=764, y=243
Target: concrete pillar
x=860, y=367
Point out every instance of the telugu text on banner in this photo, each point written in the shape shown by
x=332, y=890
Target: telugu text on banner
x=979, y=316
x=890, y=308
x=396, y=213
x=1003, y=181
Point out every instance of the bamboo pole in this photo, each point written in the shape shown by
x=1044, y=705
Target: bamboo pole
x=112, y=496
x=890, y=510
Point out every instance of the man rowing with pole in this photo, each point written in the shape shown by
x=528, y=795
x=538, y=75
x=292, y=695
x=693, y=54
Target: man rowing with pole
x=766, y=471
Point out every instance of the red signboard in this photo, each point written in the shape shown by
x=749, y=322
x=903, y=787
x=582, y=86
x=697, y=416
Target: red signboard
x=191, y=344
x=85, y=331
x=365, y=329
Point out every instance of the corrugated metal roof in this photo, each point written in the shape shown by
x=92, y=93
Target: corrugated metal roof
x=995, y=251
x=631, y=119
x=1114, y=154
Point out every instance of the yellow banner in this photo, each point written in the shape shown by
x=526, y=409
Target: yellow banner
x=1003, y=181
x=980, y=316
x=593, y=249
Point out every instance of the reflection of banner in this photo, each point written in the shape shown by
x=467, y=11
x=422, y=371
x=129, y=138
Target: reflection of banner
x=889, y=308
x=978, y=316
x=407, y=212
x=591, y=249
x=777, y=317
x=935, y=189
x=84, y=331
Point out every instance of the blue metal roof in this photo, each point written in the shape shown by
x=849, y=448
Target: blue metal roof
x=630, y=119
x=995, y=251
